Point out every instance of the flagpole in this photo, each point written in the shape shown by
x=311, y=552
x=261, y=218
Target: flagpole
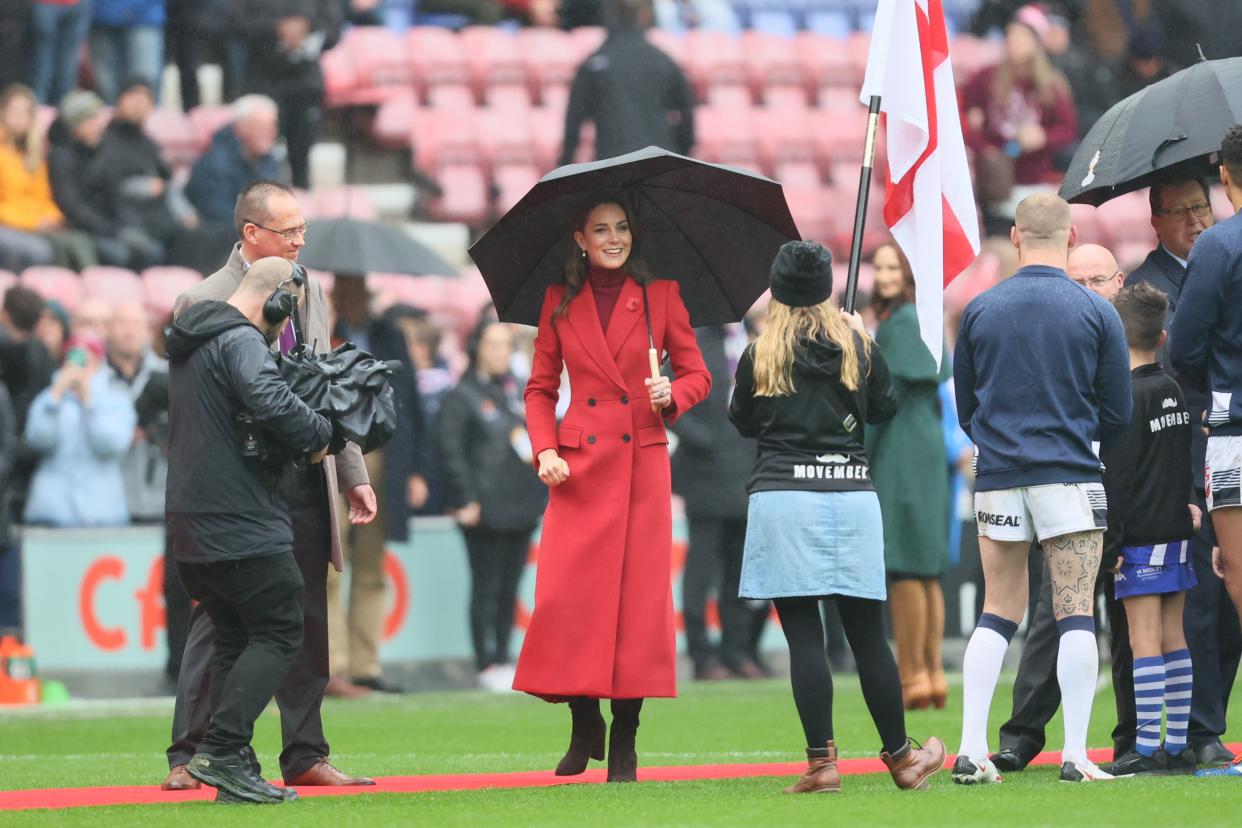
x=860, y=209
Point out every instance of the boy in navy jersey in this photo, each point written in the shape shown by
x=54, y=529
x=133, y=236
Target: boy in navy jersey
x=1151, y=519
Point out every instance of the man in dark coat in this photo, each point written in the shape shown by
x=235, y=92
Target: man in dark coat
x=633, y=92
x=228, y=521
x=240, y=153
x=710, y=469
x=1180, y=212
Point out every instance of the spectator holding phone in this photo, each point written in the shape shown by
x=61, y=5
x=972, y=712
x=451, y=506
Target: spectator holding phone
x=81, y=428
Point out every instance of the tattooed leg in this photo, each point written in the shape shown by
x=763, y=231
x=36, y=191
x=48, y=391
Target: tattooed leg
x=1074, y=561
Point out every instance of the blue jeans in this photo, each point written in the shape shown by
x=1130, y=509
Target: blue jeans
x=59, y=32
x=119, y=55
x=10, y=586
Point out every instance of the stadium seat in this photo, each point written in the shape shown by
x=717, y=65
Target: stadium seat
x=426, y=292
x=587, y=39
x=162, y=285
x=343, y=202
x=727, y=135
x=494, y=56
x=509, y=96
x=798, y=174
x=391, y=126
x=440, y=136
x=838, y=135
x=784, y=135
x=547, y=133
x=340, y=80
x=505, y=137
x=1127, y=218
x=465, y=194
x=1086, y=219
x=208, y=120
x=512, y=181
x=671, y=44
x=714, y=59
x=825, y=63
x=810, y=212
x=56, y=283
x=734, y=95
x=114, y=285
x=379, y=56
x=175, y=134
x=451, y=96
x=785, y=97
x=437, y=57
x=1221, y=207
x=549, y=56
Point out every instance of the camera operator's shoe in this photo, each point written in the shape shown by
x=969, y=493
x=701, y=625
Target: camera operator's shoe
x=235, y=777
x=968, y=772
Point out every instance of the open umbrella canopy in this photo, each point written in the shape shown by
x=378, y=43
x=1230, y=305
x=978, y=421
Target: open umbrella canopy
x=714, y=229
x=1171, y=126
x=358, y=247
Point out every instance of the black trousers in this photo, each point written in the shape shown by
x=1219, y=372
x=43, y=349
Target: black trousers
x=714, y=564
x=497, y=560
x=1211, y=626
x=300, y=696
x=176, y=614
x=255, y=606
x=299, y=115
x=1036, y=692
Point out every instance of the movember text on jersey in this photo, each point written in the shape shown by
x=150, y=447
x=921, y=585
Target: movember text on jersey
x=832, y=467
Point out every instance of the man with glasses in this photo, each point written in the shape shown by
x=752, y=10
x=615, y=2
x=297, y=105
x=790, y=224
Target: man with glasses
x=1180, y=212
x=1095, y=268
x=270, y=223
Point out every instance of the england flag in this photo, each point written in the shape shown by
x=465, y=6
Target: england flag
x=930, y=205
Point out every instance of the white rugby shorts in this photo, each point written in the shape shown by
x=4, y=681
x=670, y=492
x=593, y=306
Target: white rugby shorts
x=1224, y=467
x=1042, y=512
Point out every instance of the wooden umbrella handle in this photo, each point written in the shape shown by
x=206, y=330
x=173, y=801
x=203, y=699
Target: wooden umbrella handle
x=654, y=358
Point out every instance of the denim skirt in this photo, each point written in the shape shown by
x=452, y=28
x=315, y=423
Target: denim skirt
x=813, y=543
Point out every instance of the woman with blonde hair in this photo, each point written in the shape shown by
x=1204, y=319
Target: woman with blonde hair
x=911, y=470
x=804, y=389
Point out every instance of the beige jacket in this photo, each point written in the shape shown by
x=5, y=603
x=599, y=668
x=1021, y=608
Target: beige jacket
x=342, y=472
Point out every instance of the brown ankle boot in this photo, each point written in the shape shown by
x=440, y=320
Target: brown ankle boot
x=821, y=772
x=915, y=763
x=622, y=736
x=908, y=605
x=586, y=740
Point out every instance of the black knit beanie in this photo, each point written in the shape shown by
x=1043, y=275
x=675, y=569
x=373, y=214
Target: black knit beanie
x=802, y=274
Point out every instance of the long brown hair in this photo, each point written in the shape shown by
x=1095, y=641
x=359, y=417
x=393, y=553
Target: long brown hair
x=1049, y=84
x=30, y=144
x=791, y=328
x=577, y=265
x=884, y=307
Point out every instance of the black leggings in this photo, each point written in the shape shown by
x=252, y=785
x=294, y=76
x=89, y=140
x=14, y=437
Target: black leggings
x=497, y=561
x=812, y=681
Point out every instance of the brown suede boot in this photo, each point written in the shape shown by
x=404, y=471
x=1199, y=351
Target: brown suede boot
x=586, y=740
x=935, y=635
x=913, y=764
x=622, y=737
x=821, y=772
x=908, y=604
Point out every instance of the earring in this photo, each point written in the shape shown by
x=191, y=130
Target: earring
x=584, y=253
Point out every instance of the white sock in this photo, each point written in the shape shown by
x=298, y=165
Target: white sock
x=1078, y=665
x=981, y=667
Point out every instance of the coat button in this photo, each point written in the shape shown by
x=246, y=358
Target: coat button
x=591, y=402
x=591, y=440
x=625, y=400
x=625, y=438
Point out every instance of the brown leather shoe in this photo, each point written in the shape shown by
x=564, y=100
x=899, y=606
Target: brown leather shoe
x=821, y=773
x=342, y=688
x=323, y=774
x=179, y=779
x=915, y=764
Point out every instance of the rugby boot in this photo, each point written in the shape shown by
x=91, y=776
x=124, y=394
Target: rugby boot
x=912, y=765
x=1083, y=771
x=622, y=756
x=586, y=739
x=968, y=772
x=821, y=772
x=1178, y=764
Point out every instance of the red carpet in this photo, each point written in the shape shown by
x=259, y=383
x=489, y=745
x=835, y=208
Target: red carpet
x=148, y=794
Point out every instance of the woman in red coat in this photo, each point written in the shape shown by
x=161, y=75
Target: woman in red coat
x=603, y=620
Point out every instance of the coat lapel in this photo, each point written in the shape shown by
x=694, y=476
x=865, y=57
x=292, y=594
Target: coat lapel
x=625, y=315
x=585, y=321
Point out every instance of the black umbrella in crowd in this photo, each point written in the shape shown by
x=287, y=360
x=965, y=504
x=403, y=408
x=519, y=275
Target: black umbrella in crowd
x=350, y=246
x=715, y=229
x=1171, y=126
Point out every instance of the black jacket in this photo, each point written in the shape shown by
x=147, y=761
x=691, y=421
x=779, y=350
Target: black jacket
x=270, y=69
x=1164, y=272
x=636, y=96
x=220, y=505
x=479, y=422
x=81, y=191
x=1147, y=469
x=712, y=461
x=405, y=453
x=125, y=162
x=803, y=442
x=26, y=368
x=8, y=458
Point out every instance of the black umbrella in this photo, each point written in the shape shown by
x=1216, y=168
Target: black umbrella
x=715, y=229
x=351, y=246
x=1169, y=127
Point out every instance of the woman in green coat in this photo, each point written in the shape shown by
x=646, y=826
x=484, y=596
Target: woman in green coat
x=910, y=472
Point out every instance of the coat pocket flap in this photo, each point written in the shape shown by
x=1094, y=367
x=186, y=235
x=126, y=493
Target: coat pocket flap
x=652, y=436
x=569, y=436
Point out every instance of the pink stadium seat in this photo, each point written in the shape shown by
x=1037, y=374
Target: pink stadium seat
x=970, y=54
x=555, y=96
x=391, y=127
x=839, y=135
x=549, y=57
x=380, y=57
x=1087, y=220
x=587, y=39
x=729, y=94
x=465, y=194
x=494, y=55
x=1127, y=218
x=840, y=99
x=714, y=59
x=178, y=139
x=825, y=63
x=810, y=212
x=437, y=56
x=451, y=96
x=1220, y=204
x=208, y=120
x=727, y=135
x=441, y=136
x=426, y=292
x=798, y=174
x=162, y=285
x=671, y=44
x=58, y=283
x=505, y=137
x=512, y=182
x=340, y=78
x=770, y=62
x=1130, y=255
x=114, y=285
x=785, y=97
x=509, y=96
x=785, y=135
x=344, y=202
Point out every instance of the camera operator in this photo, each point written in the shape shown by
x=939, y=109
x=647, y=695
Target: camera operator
x=228, y=523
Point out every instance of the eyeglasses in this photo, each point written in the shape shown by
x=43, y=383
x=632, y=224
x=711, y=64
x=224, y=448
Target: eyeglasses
x=1097, y=280
x=288, y=235
x=1179, y=213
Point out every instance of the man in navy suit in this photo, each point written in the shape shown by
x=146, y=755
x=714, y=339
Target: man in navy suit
x=1180, y=212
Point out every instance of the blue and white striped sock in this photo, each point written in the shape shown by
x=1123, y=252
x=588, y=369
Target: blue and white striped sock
x=1178, y=681
x=1149, y=683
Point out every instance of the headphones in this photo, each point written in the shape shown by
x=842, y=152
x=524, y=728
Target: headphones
x=281, y=304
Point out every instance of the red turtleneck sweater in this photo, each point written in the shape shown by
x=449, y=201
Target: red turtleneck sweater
x=606, y=285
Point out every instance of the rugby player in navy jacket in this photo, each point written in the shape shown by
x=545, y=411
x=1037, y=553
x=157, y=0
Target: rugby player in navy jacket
x=1041, y=368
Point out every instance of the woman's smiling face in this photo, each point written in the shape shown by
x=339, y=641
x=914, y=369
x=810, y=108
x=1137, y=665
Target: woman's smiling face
x=606, y=237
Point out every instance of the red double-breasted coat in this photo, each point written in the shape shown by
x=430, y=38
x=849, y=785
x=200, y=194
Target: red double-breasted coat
x=603, y=619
